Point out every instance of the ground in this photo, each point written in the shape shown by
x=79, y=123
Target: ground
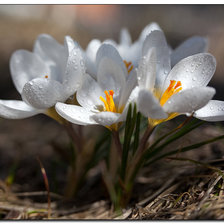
x=169, y=189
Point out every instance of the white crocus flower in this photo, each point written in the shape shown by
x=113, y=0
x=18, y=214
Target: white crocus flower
x=131, y=51
x=128, y=50
x=164, y=93
x=213, y=111
x=191, y=46
x=103, y=101
x=51, y=73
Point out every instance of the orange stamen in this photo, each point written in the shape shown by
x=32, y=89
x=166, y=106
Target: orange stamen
x=129, y=66
x=46, y=76
x=172, y=89
x=109, y=102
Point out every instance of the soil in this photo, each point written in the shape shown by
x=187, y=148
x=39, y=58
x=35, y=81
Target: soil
x=170, y=189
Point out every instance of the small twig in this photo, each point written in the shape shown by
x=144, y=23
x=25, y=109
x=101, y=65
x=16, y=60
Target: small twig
x=160, y=190
x=209, y=191
x=37, y=193
x=47, y=187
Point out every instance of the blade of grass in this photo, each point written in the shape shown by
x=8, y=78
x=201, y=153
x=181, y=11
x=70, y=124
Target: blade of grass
x=186, y=129
x=46, y=186
x=137, y=132
x=187, y=148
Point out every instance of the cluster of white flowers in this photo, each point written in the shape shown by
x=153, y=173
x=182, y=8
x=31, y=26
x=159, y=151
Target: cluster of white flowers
x=163, y=82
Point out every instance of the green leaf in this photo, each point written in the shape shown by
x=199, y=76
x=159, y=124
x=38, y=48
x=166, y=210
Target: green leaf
x=137, y=132
x=127, y=137
x=187, y=148
x=152, y=151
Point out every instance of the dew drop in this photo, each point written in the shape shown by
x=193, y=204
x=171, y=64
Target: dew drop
x=194, y=78
x=82, y=63
x=211, y=108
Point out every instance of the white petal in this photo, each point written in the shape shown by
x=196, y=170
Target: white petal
x=75, y=70
x=53, y=54
x=191, y=46
x=212, y=111
x=25, y=66
x=74, y=114
x=195, y=70
x=90, y=57
x=111, y=74
x=147, y=70
x=149, y=106
x=106, y=118
x=15, y=109
x=157, y=40
x=89, y=94
x=189, y=100
x=129, y=86
x=148, y=29
x=70, y=44
x=43, y=93
x=125, y=37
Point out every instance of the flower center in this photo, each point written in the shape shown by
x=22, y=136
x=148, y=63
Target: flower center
x=174, y=87
x=109, y=102
x=129, y=66
x=46, y=76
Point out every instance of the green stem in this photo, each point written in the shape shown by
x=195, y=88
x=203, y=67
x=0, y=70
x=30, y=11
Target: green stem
x=117, y=142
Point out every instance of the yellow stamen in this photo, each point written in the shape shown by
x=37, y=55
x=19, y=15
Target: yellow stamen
x=129, y=66
x=174, y=87
x=109, y=102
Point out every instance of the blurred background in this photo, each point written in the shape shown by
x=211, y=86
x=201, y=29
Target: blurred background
x=23, y=140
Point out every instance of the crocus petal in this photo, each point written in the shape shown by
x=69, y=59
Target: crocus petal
x=43, y=93
x=189, y=100
x=16, y=109
x=75, y=70
x=75, y=114
x=112, y=73
x=195, y=70
x=156, y=39
x=147, y=70
x=53, y=54
x=89, y=94
x=191, y=46
x=125, y=37
x=129, y=86
x=106, y=118
x=25, y=66
x=212, y=111
x=70, y=44
x=149, y=106
x=148, y=29
x=90, y=57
